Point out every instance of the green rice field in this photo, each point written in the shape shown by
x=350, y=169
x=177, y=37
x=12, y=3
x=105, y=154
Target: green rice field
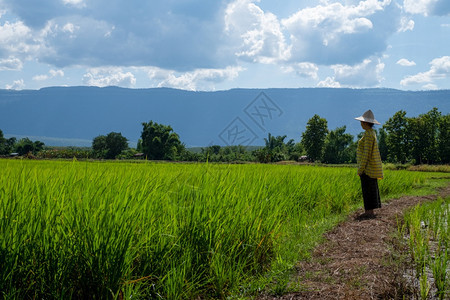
x=121, y=230
x=427, y=229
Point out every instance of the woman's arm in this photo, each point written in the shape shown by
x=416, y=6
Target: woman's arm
x=367, y=151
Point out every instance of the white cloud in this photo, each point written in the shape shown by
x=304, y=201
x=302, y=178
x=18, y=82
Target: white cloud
x=75, y=3
x=329, y=82
x=109, y=76
x=183, y=36
x=262, y=38
x=16, y=39
x=418, y=78
x=406, y=24
x=42, y=77
x=440, y=69
x=430, y=86
x=326, y=34
x=304, y=69
x=70, y=28
x=203, y=79
x=365, y=74
x=337, y=33
x=11, y=63
x=17, y=85
x=405, y=63
x=427, y=7
x=192, y=35
x=53, y=73
x=418, y=6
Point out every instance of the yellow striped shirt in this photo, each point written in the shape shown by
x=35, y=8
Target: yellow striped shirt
x=368, y=155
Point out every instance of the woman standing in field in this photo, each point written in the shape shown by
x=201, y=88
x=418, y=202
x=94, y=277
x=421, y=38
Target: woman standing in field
x=369, y=165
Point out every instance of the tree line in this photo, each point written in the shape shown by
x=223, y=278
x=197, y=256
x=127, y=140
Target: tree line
x=20, y=147
x=416, y=140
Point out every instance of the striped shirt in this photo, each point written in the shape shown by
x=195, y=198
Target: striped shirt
x=368, y=155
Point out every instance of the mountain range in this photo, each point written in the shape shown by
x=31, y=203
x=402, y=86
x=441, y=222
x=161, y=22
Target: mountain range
x=73, y=116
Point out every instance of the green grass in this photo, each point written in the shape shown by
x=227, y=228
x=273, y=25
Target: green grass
x=173, y=231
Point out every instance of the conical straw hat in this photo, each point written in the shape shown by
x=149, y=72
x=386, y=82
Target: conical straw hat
x=368, y=117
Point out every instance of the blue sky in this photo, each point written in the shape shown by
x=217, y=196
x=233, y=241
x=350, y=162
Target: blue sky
x=218, y=45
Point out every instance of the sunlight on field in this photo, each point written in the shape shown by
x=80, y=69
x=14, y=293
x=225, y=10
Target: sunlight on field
x=147, y=230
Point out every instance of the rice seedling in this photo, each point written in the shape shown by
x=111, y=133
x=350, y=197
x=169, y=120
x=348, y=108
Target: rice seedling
x=439, y=268
x=427, y=225
x=424, y=284
x=157, y=230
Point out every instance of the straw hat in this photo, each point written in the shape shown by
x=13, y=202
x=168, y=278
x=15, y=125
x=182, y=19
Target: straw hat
x=368, y=117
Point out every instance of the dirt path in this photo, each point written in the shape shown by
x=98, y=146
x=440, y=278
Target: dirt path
x=356, y=259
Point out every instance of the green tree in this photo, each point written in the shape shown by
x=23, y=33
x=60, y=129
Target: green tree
x=99, y=146
x=424, y=134
x=25, y=145
x=160, y=142
x=296, y=151
x=382, y=146
x=4, y=149
x=398, y=138
x=416, y=127
x=336, y=148
x=275, y=149
x=444, y=139
x=431, y=134
x=211, y=151
x=109, y=146
x=313, y=139
x=7, y=145
x=10, y=143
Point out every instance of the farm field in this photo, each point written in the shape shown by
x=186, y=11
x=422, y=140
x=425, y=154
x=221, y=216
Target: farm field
x=166, y=230
x=427, y=231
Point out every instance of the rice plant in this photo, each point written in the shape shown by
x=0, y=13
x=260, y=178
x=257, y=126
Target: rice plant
x=427, y=226
x=115, y=230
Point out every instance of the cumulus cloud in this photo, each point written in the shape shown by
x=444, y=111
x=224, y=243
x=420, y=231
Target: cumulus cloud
x=304, y=69
x=109, y=76
x=365, y=74
x=69, y=27
x=203, y=79
x=430, y=86
x=406, y=24
x=427, y=7
x=190, y=44
x=168, y=34
x=199, y=34
x=17, y=85
x=17, y=40
x=439, y=69
x=51, y=74
x=10, y=63
x=329, y=82
x=334, y=33
x=418, y=6
x=405, y=63
x=262, y=37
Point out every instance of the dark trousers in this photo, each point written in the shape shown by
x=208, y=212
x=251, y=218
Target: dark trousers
x=371, y=194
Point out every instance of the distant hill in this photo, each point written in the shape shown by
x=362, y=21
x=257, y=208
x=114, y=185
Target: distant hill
x=65, y=116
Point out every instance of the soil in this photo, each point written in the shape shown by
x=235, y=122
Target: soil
x=359, y=259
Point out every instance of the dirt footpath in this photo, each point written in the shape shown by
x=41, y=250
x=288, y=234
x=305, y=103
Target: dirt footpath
x=356, y=261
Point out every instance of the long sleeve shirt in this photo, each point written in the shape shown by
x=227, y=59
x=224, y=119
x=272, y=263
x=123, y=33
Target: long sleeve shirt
x=368, y=155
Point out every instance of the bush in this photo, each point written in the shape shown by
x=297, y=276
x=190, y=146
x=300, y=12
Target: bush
x=64, y=154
